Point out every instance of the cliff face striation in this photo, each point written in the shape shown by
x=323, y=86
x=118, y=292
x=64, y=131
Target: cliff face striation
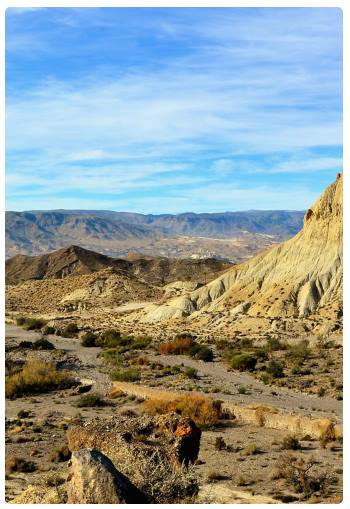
x=299, y=277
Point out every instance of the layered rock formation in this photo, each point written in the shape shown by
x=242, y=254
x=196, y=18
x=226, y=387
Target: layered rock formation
x=298, y=278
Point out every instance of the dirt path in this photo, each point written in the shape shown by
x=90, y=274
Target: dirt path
x=88, y=357
x=257, y=392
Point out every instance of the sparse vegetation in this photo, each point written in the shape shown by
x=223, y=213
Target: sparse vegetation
x=33, y=323
x=16, y=464
x=186, y=345
x=328, y=435
x=297, y=473
x=275, y=369
x=220, y=444
x=109, y=339
x=178, y=346
x=157, y=477
x=43, y=344
x=126, y=375
x=299, y=352
x=191, y=373
x=113, y=356
x=291, y=443
x=243, y=362
x=48, y=329
x=35, y=377
x=70, y=331
x=203, y=411
x=61, y=454
x=201, y=352
x=214, y=475
x=90, y=400
x=89, y=339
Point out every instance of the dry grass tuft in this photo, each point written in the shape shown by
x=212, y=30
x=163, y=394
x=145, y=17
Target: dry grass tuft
x=203, y=411
x=36, y=377
x=176, y=347
x=15, y=464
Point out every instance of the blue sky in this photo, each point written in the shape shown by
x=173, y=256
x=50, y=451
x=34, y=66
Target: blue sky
x=172, y=110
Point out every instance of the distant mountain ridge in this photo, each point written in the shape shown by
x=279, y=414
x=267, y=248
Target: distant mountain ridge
x=38, y=232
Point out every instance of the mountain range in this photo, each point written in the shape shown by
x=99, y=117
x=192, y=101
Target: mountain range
x=296, y=284
x=233, y=235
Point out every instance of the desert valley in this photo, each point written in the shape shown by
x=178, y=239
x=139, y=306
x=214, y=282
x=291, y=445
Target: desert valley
x=175, y=359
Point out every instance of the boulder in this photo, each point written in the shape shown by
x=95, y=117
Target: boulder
x=93, y=479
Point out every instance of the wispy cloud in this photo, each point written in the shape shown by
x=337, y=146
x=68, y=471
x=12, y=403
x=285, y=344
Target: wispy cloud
x=169, y=99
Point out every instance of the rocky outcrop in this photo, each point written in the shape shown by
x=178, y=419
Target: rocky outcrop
x=300, y=277
x=93, y=479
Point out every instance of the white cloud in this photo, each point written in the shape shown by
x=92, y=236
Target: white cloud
x=256, y=88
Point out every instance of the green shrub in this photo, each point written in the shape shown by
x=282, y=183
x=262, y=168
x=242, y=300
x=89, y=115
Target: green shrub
x=191, y=373
x=243, y=362
x=242, y=389
x=20, y=320
x=246, y=343
x=25, y=344
x=70, y=331
x=33, y=323
x=112, y=339
x=274, y=345
x=299, y=352
x=264, y=377
x=112, y=356
x=275, y=369
x=201, y=352
x=43, y=344
x=126, y=375
x=90, y=400
x=141, y=343
x=170, y=370
x=261, y=354
x=48, y=329
x=89, y=339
